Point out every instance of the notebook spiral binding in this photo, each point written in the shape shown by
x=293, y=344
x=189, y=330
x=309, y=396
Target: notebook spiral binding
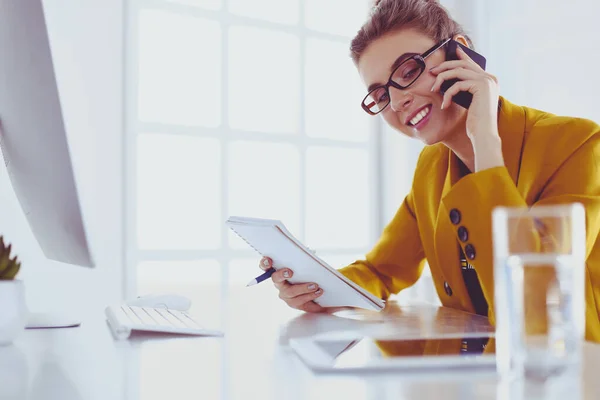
x=314, y=252
x=241, y=237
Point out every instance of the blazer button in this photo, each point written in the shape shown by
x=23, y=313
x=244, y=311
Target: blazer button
x=470, y=251
x=448, y=289
x=463, y=234
x=455, y=216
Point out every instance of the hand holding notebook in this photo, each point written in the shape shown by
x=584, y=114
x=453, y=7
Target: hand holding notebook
x=271, y=239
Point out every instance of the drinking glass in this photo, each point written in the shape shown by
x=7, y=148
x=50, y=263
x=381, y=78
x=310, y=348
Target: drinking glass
x=539, y=289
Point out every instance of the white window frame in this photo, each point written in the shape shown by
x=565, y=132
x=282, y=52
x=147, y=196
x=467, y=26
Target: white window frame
x=132, y=254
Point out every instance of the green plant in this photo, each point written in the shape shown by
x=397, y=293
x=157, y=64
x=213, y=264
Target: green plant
x=8, y=267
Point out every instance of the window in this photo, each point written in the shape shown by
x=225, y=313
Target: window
x=247, y=108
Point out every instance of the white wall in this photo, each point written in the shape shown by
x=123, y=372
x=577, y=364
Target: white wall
x=546, y=54
x=86, y=38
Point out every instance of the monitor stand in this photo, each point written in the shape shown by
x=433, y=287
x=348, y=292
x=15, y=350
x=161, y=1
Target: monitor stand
x=50, y=321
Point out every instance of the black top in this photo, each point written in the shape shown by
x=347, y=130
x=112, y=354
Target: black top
x=473, y=286
x=468, y=272
x=472, y=345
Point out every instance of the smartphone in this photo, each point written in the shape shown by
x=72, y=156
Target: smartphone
x=462, y=98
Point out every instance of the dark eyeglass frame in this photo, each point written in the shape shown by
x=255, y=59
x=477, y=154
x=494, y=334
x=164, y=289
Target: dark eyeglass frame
x=419, y=59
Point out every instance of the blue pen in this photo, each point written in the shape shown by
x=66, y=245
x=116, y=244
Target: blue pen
x=261, y=278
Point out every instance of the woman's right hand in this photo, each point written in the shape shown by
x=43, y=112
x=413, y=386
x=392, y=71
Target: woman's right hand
x=299, y=296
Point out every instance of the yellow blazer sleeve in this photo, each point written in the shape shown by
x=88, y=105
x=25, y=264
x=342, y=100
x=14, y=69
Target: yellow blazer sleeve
x=396, y=261
x=577, y=179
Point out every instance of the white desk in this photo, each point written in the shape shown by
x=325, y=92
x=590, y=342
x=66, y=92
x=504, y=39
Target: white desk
x=250, y=362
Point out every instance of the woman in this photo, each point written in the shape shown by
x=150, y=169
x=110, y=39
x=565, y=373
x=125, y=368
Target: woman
x=492, y=154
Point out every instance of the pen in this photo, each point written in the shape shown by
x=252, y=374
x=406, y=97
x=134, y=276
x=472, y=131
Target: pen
x=261, y=278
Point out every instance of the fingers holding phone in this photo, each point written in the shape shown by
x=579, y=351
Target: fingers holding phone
x=463, y=79
x=458, y=56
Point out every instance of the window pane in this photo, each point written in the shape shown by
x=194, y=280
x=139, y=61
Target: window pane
x=210, y=4
x=334, y=91
x=341, y=17
x=263, y=80
x=179, y=69
x=401, y=154
x=337, y=198
x=178, y=196
x=264, y=183
x=285, y=12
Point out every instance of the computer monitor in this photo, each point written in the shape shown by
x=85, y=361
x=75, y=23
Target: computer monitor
x=33, y=139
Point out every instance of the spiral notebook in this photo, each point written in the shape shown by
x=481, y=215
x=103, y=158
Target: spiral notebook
x=270, y=238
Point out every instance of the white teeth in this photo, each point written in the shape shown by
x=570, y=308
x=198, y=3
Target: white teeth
x=417, y=118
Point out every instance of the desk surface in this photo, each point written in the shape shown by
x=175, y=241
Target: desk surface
x=250, y=362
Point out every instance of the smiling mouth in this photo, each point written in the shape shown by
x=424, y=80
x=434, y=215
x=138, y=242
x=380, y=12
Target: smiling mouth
x=419, y=117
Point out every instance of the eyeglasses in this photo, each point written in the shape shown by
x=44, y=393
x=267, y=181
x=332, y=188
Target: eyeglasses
x=401, y=78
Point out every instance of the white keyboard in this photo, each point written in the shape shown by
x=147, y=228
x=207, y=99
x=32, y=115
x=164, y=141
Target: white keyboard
x=124, y=319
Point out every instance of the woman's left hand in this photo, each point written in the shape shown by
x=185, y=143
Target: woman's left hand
x=482, y=115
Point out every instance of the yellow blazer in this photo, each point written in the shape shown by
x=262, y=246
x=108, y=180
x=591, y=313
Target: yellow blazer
x=548, y=160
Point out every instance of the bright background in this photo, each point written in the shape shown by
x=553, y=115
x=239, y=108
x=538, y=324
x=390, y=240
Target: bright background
x=200, y=109
x=197, y=110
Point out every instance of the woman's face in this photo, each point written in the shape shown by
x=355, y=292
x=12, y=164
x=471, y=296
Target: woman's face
x=374, y=67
